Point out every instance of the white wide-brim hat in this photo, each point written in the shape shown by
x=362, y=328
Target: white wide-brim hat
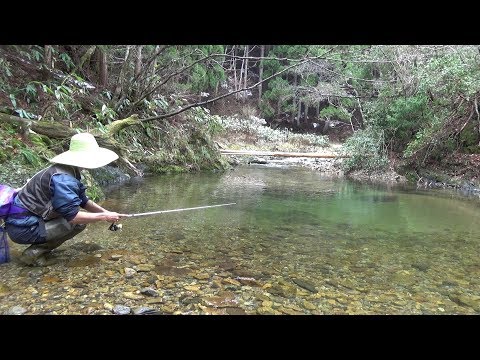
x=85, y=153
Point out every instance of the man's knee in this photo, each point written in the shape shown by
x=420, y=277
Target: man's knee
x=61, y=229
x=78, y=228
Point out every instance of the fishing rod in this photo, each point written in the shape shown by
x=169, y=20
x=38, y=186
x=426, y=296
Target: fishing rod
x=115, y=227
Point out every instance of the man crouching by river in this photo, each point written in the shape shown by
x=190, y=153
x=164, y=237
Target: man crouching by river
x=52, y=199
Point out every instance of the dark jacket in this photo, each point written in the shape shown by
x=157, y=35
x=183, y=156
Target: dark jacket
x=51, y=193
x=36, y=196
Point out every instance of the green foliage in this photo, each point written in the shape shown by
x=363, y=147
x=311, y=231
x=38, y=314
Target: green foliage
x=30, y=157
x=366, y=149
x=332, y=112
x=94, y=191
x=10, y=143
x=425, y=138
x=199, y=80
x=470, y=138
x=280, y=93
x=266, y=109
x=451, y=73
x=29, y=95
x=211, y=124
x=5, y=74
x=156, y=106
x=24, y=114
x=67, y=60
x=417, y=97
x=310, y=80
x=272, y=66
x=278, y=88
x=37, y=53
x=188, y=146
x=15, y=149
x=30, y=92
x=402, y=118
x=66, y=103
x=105, y=115
x=205, y=76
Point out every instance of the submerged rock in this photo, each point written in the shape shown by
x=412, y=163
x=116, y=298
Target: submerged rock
x=129, y=272
x=145, y=267
x=4, y=290
x=305, y=284
x=121, y=310
x=84, y=261
x=235, y=311
x=144, y=310
x=86, y=247
x=421, y=266
x=149, y=292
x=16, y=310
x=379, y=198
x=224, y=299
x=172, y=270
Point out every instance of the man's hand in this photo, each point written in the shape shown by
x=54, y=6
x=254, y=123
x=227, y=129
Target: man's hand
x=112, y=216
x=84, y=217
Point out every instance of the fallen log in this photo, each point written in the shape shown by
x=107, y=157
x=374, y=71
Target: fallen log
x=282, y=154
x=56, y=130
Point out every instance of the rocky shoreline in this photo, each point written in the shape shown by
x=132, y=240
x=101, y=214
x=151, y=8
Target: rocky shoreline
x=327, y=166
x=332, y=167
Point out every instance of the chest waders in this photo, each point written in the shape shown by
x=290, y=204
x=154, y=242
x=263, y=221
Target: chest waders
x=57, y=232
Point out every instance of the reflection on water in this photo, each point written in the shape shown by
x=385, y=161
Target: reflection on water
x=365, y=249
x=294, y=243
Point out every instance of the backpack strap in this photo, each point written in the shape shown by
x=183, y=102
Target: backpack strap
x=4, y=247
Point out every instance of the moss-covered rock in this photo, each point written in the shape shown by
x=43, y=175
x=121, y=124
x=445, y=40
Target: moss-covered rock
x=94, y=191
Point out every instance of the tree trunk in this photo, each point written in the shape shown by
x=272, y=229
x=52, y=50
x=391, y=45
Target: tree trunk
x=115, y=127
x=102, y=67
x=299, y=113
x=123, y=71
x=59, y=131
x=234, y=61
x=152, y=71
x=137, y=71
x=86, y=57
x=294, y=98
x=475, y=104
x=48, y=59
x=138, y=63
x=53, y=130
x=326, y=127
x=245, y=72
x=240, y=86
x=260, y=73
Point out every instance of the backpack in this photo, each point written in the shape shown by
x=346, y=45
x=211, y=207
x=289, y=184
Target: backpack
x=7, y=195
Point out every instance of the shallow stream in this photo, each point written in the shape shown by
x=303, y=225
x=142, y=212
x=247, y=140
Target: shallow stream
x=296, y=242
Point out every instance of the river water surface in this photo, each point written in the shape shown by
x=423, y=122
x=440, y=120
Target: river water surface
x=295, y=242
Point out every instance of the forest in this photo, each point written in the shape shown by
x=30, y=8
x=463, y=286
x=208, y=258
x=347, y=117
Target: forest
x=411, y=108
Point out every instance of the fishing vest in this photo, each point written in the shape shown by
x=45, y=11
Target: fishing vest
x=36, y=195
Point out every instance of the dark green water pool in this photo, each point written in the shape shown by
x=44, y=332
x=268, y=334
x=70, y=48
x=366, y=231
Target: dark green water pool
x=362, y=249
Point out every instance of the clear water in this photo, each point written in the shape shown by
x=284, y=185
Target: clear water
x=364, y=249
x=296, y=242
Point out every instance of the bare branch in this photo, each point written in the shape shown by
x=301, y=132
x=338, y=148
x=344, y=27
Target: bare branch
x=351, y=77
x=156, y=87
x=221, y=96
